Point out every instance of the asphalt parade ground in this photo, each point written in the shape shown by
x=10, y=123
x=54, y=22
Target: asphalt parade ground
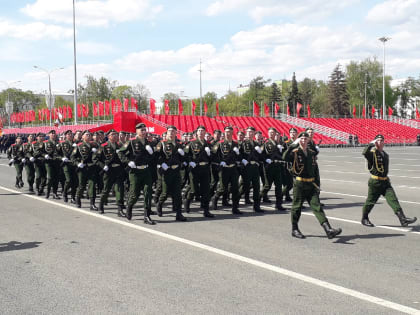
x=57, y=259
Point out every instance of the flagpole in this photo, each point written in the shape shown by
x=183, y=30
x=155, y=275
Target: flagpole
x=74, y=60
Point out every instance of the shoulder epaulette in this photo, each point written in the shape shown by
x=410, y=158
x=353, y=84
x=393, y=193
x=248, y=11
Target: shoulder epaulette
x=13, y=144
x=134, y=138
x=62, y=141
x=45, y=141
x=33, y=142
x=79, y=144
x=104, y=144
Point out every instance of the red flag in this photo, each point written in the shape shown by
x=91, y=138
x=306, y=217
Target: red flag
x=113, y=107
x=134, y=104
x=119, y=105
x=382, y=112
x=205, y=108
x=152, y=106
x=193, y=106
x=101, y=108
x=69, y=112
x=390, y=111
x=167, y=109
x=354, y=111
x=180, y=108
x=107, y=108
x=417, y=113
x=373, y=111
x=256, y=109
x=95, y=109
x=126, y=104
x=276, y=108
x=298, y=108
x=364, y=112
x=85, y=110
x=217, y=109
x=288, y=110
x=308, y=108
x=39, y=115
x=266, y=110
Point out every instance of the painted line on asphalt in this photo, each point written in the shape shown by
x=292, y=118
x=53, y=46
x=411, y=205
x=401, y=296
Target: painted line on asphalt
x=367, y=174
x=354, y=182
x=285, y=272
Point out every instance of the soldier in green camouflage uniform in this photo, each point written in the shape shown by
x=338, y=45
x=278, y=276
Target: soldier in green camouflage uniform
x=108, y=160
x=198, y=155
x=16, y=155
x=251, y=158
x=215, y=163
x=288, y=177
x=304, y=187
x=379, y=183
x=82, y=158
x=138, y=154
x=170, y=157
x=37, y=156
x=70, y=177
x=227, y=152
x=29, y=166
x=52, y=163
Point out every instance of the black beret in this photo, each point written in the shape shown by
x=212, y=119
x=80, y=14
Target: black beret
x=101, y=132
x=251, y=128
x=171, y=127
x=272, y=128
x=379, y=137
x=40, y=134
x=86, y=131
x=309, y=128
x=201, y=127
x=51, y=131
x=67, y=132
x=111, y=131
x=140, y=126
x=240, y=131
x=228, y=128
x=292, y=129
x=303, y=134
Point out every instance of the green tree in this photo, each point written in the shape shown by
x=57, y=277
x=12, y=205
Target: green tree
x=22, y=100
x=294, y=96
x=142, y=94
x=173, y=103
x=307, y=89
x=230, y=104
x=210, y=98
x=121, y=92
x=338, y=98
x=319, y=103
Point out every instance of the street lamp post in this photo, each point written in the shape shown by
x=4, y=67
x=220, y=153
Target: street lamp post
x=9, y=104
x=365, y=89
x=383, y=40
x=50, y=102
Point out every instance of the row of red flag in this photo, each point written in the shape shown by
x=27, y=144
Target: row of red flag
x=373, y=111
x=180, y=107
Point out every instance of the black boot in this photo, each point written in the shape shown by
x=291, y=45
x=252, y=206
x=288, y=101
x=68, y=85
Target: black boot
x=296, y=232
x=55, y=196
x=73, y=200
x=92, y=205
x=78, y=202
x=206, y=212
x=235, y=209
x=279, y=206
x=121, y=212
x=158, y=209
x=366, y=222
x=247, y=200
x=101, y=207
x=187, y=203
x=257, y=208
x=288, y=198
x=65, y=198
x=147, y=219
x=180, y=217
x=404, y=220
x=225, y=203
x=214, y=200
x=31, y=188
x=331, y=233
x=129, y=213
x=265, y=199
x=48, y=192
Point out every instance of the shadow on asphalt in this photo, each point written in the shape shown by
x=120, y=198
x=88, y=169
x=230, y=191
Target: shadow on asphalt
x=345, y=239
x=14, y=245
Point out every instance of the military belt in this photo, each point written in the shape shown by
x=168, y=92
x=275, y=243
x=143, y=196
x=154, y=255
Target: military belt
x=378, y=177
x=278, y=161
x=307, y=180
x=115, y=165
x=203, y=163
x=214, y=163
x=174, y=167
x=254, y=163
x=142, y=167
x=230, y=165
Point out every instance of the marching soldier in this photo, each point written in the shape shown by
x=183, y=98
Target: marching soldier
x=304, y=187
x=274, y=164
x=259, y=139
x=16, y=155
x=70, y=177
x=138, y=154
x=251, y=159
x=288, y=177
x=82, y=158
x=198, y=153
x=227, y=152
x=215, y=163
x=170, y=156
x=379, y=182
x=29, y=166
x=314, y=147
x=37, y=156
x=51, y=164
x=109, y=162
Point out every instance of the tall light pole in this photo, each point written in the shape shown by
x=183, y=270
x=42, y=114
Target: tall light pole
x=9, y=105
x=50, y=98
x=383, y=40
x=74, y=62
x=201, y=93
x=365, y=90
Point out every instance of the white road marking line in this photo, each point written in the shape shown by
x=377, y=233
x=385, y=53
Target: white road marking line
x=366, y=174
x=354, y=182
x=254, y=262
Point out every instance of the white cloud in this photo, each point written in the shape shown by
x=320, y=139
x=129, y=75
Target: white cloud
x=93, y=12
x=395, y=12
x=93, y=48
x=33, y=31
x=162, y=82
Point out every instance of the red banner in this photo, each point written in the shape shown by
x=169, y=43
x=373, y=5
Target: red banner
x=107, y=108
x=417, y=113
x=126, y=104
x=180, y=108
x=193, y=107
x=217, y=109
x=113, y=107
x=308, y=108
x=298, y=108
x=364, y=112
x=101, y=108
x=152, y=106
x=354, y=111
x=205, y=108
x=288, y=110
x=266, y=110
x=373, y=111
x=167, y=109
x=390, y=111
x=256, y=109
x=95, y=109
x=276, y=108
x=134, y=104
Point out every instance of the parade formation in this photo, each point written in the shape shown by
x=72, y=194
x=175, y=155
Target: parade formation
x=200, y=167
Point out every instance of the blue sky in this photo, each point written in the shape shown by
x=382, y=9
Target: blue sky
x=159, y=43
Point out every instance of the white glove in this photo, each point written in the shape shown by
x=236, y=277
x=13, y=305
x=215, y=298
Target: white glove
x=149, y=149
x=192, y=164
x=118, y=151
x=65, y=159
x=236, y=150
x=268, y=161
x=258, y=149
x=280, y=147
x=244, y=162
x=12, y=161
x=317, y=148
x=165, y=166
x=47, y=157
x=32, y=159
x=181, y=152
x=94, y=150
x=207, y=149
x=296, y=141
x=80, y=165
x=132, y=164
x=223, y=164
x=106, y=168
x=23, y=160
x=74, y=145
x=373, y=141
x=185, y=163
